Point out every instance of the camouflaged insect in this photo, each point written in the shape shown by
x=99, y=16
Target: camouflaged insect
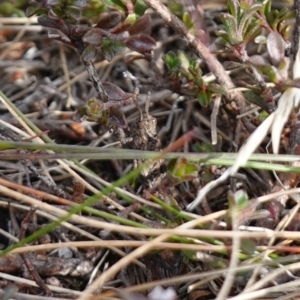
x=143, y=136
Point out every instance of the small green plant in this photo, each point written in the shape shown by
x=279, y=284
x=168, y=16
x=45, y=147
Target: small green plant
x=244, y=23
x=110, y=35
x=186, y=75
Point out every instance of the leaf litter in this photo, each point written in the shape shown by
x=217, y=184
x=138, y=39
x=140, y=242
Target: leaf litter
x=153, y=78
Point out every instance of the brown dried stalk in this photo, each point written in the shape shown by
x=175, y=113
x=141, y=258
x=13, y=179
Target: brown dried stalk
x=32, y=270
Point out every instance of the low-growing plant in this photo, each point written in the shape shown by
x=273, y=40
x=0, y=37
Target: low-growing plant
x=109, y=36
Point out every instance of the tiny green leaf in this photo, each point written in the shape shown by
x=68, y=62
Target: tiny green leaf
x=140, y=8
x=251, y=31
x=204, y=98
x=30, y=11
x=231, y=27
x=115, y=4
x=241, y=198
x=233, y=6
x=180, y=170
x=94, y=108
x=248, y=246
x=187, y=20
x=272, y=73
x=223, y=34
x=194, y=69
x=110, y=48
x=171, y=60
x=255, y=99
x=184, y=60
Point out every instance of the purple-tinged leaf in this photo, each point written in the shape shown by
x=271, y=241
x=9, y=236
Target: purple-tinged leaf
x=275, y=208
x=89, y=53
x=276, y=47
x=113, y=92
x=120, y=37
x=258, y=61
x=93, y=36
x=46, y=21
x=141, y=25
x=114, y=37
x=117, y=116
x=294, y=225
x=121, y=27
x=141, y=43
x=60, y=37
x=109, y=20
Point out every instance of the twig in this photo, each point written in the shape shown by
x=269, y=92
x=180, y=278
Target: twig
x=32, y=270
x=213, y=120
x=94, y=77
x=62, y=55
